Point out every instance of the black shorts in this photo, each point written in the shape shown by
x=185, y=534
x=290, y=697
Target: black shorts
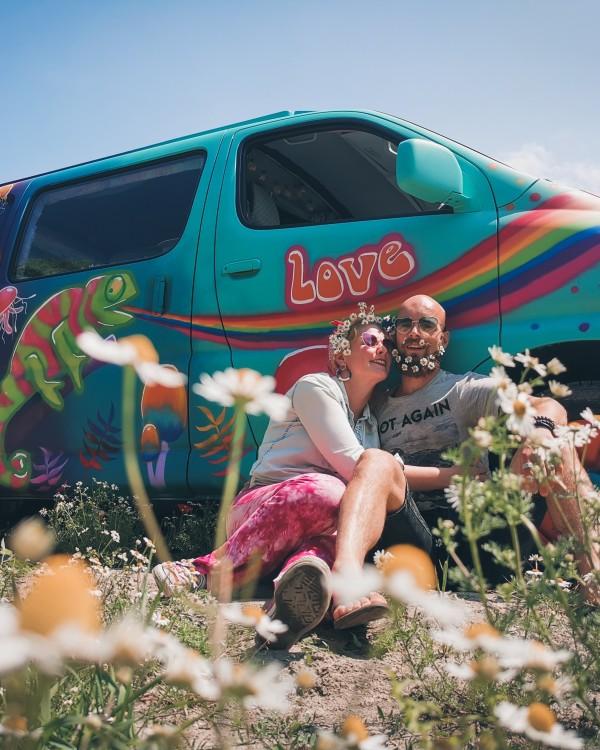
x=409, y=525
x=493, y=571
x=405, y=526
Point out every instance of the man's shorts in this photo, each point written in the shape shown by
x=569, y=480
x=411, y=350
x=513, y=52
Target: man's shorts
x=409, y=526
x=405, y=526
x=494, y=572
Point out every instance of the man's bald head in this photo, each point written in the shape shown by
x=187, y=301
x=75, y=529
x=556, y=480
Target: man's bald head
x=419, y=306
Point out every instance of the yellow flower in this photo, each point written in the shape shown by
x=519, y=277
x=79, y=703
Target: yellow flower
x=306, y=679
x=477, y=629
x=354, y=728
x=61, y=595
x=405, y=557
x=541, y=717
x=31, y=539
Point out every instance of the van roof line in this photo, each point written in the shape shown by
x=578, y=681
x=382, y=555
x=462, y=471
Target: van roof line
x=251, y=121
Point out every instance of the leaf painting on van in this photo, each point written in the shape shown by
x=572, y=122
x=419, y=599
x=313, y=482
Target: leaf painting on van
x=46, y=353
x=50, y=471
x=101, y=440
x=164, y=415
x=216, y=447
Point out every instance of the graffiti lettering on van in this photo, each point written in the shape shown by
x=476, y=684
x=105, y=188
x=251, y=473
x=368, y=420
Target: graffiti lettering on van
x=355, y=275
x=46, y=352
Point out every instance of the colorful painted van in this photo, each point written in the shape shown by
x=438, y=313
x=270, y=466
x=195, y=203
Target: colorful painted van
x=238, y=246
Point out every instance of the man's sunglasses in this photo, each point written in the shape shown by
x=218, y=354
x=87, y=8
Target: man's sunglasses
x=373, y=339
x=427, y=324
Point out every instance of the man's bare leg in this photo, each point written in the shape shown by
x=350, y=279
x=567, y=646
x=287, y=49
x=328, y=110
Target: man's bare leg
x=377, y=488
x=565, y=495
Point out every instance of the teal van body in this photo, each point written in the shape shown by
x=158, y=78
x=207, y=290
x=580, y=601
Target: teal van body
x=238, y=247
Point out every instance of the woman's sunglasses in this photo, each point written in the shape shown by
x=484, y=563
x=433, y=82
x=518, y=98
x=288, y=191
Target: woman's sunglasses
x=373, y=339
x=427, y=324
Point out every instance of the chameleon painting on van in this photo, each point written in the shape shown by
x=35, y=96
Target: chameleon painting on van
x=46, y=353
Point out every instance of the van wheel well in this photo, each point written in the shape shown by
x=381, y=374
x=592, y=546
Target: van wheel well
x=579, y=357
x=582, y=375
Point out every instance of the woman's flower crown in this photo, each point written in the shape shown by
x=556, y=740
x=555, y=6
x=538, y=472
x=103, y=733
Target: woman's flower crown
x=339, y=343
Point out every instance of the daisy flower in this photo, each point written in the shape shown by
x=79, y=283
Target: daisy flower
x=522, y=653
x=590, y=417
x=267, y=688
x=137, y=351
x=31, y=539
x=473, y=636
x=520, y=413
x=487, y=668
x=409, y=576
x=555, y=367
x=254, y=616
x=502, y=358
x=531, y=363
x=539, y=723
x=453, y=495
x=246, y=388
x=559, y=389
x=481, y=437
x=348, y=586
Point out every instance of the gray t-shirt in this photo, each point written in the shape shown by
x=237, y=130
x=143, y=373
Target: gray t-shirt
x=421, y=426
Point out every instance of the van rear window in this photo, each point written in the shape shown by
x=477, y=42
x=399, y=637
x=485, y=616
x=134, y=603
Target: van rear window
x=112, y=219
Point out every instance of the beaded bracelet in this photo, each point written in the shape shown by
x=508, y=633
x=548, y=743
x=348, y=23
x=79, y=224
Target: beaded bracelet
x=545, y=422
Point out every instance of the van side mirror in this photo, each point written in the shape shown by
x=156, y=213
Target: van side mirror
x=430, y=172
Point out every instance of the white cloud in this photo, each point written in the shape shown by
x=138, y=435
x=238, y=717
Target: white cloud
x=537, y=160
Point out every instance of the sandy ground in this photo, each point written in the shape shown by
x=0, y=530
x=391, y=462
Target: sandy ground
x=349, y=679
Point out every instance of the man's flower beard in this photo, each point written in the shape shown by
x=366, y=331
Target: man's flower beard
x=416, y=367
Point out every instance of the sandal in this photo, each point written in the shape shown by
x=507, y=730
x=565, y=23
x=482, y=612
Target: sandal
x=375, y=610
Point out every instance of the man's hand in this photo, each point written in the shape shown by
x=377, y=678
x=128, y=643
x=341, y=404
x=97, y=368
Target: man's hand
x=540, y=475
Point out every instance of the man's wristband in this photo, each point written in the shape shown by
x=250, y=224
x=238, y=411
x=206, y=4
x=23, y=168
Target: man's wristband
x=546, y=423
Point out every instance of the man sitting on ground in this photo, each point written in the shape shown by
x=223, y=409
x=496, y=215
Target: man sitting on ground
x=432, y=410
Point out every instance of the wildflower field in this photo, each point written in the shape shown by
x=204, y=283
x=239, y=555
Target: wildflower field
x=91, y=656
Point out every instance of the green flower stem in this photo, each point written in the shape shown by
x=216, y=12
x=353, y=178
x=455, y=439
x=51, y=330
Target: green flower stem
x=474, y=551
x=579, y=633
x=517, y=548
x=232, y=477
x=230, y=485
x=132, y=467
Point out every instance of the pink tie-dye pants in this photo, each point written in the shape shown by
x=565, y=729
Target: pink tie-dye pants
x=278, y=523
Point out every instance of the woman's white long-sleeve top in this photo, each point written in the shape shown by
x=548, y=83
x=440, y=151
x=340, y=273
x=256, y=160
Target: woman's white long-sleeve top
x=319, y=434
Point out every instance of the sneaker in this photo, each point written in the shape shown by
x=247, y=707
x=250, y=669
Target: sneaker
x=180, y=575
x=301, y=599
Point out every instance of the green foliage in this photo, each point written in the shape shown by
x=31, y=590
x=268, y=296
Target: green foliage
x=191, y=533
x=97, y=518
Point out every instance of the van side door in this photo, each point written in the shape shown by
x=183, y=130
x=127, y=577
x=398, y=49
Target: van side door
x=311, y=221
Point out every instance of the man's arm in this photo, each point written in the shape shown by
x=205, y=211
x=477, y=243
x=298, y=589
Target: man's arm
x=427, y=478
x=549, y=407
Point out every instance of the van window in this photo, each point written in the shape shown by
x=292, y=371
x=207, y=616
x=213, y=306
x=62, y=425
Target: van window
x=323, y=176
x=124, y=216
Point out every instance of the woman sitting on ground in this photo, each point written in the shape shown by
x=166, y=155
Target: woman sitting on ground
x=287, y=516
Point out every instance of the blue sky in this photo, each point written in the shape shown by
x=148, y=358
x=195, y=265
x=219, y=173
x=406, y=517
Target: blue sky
x=518, y=80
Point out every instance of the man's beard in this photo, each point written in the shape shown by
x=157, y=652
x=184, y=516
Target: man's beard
x=417, y=367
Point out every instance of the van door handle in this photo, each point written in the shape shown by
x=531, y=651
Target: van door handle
x=159, y=295
x=237, y=267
